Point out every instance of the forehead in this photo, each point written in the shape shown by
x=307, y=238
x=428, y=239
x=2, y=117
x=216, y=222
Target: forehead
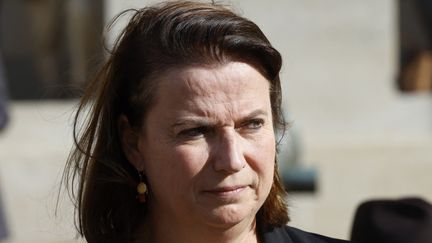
x=223, y=92
x=229, y=78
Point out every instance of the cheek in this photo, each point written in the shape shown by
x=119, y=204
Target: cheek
x=267, y=169
x=267, y=164
x=265, y=152
x=189, y=162
x=174, y=167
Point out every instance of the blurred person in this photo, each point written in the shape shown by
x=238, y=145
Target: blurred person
x=415, y=30
x=3, y=97
x=175, y=136
x=3, y=121
x=3, y=93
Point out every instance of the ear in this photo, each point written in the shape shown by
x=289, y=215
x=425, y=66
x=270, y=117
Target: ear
x=129, y=140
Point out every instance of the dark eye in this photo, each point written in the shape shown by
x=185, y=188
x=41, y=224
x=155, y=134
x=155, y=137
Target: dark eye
x=254, y=124
x=195, y=132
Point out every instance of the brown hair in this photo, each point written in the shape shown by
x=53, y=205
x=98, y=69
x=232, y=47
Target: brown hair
x=100, y=179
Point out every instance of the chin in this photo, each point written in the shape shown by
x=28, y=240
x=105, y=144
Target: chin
x=230, y=215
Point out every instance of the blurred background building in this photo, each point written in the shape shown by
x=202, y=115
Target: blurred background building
x=359, y=130
x=49, y=47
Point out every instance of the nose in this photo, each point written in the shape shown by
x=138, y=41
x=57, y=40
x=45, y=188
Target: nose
x=228, y=154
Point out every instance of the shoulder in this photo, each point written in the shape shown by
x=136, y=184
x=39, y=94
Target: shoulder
x=300, y=236
x=287, y=234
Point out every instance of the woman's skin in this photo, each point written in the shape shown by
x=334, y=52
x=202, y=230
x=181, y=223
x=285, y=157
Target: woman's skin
x=207, y=149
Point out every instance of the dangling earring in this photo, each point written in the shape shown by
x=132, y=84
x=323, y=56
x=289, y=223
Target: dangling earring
x=141, y=189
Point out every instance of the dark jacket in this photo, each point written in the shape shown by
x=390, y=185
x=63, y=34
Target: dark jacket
x=289, y=234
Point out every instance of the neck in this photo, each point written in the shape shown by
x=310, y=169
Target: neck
x=160, y=229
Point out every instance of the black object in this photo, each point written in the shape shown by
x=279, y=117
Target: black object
x=287, y=234
x=299, y=179
x=407, y=220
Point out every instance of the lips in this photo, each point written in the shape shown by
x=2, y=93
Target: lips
x=226, y=191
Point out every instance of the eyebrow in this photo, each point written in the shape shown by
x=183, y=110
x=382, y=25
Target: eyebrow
x=192, y=121
x=200, y=121
x=255, y=113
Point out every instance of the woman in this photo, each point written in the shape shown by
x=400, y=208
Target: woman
x=178, y=144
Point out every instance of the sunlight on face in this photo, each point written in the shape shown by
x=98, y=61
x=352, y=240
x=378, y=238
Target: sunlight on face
x=208, y=145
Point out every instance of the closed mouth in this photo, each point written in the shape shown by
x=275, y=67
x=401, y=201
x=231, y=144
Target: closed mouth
x=226, y=191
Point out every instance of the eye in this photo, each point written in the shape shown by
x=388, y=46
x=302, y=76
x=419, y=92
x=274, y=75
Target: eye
x=195, y=132
x=254, y=124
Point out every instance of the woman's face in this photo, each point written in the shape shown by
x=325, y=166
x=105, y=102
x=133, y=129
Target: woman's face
x=208, y=146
